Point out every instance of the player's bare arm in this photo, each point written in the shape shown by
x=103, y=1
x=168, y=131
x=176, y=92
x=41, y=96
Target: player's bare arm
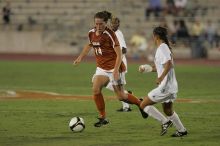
x=167, y=67
x=117, y=62
x=84, y=52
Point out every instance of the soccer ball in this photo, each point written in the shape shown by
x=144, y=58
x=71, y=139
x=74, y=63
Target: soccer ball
x=77, y=124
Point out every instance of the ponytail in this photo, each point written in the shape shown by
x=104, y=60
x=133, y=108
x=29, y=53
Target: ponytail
x=165, y=39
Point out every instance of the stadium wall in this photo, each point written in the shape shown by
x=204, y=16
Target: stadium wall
x=32, y=42
x=35, y=42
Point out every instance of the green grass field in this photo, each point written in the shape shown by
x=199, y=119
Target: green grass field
x=44, y=122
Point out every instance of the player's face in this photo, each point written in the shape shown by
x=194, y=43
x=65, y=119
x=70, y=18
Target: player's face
x=114, y=25
x=155, y=38
x=100, y=25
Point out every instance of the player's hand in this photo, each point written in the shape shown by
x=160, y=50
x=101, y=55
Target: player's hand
x=141, y=69
x=77, y=61
x=116, y=75
x=146, y=68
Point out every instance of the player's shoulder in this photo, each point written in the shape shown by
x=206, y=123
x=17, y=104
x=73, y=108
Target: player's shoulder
x=91, y=32
x=163, y=48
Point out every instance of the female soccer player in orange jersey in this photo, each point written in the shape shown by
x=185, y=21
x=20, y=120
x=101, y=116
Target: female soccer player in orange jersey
x=110, y=67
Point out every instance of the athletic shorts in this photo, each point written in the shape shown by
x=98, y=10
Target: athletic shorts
x=103, y=72
x=157, y=95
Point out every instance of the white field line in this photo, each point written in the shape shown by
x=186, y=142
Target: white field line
x=42, y=92
x=4, y=94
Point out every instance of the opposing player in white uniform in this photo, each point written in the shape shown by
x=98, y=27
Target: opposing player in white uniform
x=166, y=80
x=115, y=23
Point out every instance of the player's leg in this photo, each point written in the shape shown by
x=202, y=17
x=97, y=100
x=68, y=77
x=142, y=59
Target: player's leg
x=99, y=81
x=154, y=97
x=128, y=98
x=125, y=106
x=121, y=95
x=147, y=107
x=168, y=110
x=119, y=90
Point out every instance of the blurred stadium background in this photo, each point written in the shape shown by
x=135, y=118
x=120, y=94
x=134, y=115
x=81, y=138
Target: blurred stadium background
x=57, y=29
x=61, y=26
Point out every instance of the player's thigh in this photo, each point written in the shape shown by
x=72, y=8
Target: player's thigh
x=99, y=81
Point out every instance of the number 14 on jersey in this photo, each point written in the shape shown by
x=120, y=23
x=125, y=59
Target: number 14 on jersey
x=98, y=51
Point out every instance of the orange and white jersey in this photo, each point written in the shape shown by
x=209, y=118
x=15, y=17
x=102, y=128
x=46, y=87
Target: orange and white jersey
x=103, y=46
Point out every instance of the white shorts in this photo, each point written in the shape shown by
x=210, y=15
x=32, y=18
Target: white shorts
x=103, y=72
x=156, y=95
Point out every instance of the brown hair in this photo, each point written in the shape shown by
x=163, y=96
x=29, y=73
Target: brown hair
x=161, y=32
x=105, y=15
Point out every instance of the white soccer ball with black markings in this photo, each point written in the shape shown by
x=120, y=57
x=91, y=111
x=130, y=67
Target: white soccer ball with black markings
x=77, y=124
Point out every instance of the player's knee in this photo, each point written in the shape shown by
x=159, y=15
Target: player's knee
x=96, y=91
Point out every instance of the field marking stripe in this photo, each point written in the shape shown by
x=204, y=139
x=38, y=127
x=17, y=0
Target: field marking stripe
x=36, y=94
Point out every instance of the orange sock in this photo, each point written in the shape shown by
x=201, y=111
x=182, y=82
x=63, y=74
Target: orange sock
x=133, y=100
x=100, y=104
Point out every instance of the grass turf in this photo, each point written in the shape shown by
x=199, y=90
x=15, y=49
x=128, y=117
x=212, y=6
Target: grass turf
x=45, y=122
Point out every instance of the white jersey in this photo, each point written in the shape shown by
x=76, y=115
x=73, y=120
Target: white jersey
x=169, y=83
x=122, y=44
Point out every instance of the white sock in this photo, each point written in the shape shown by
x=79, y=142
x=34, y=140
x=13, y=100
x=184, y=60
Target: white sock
x=125, y=105
x=177, y=123
x=153, y=112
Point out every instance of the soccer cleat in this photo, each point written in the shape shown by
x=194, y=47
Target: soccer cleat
x=179, y=134
x=164, y=127
x=101, y=122
x=127, y=109
x=144, y=115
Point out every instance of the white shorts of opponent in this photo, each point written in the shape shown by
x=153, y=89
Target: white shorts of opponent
x=157, y=95
x=106, y=73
